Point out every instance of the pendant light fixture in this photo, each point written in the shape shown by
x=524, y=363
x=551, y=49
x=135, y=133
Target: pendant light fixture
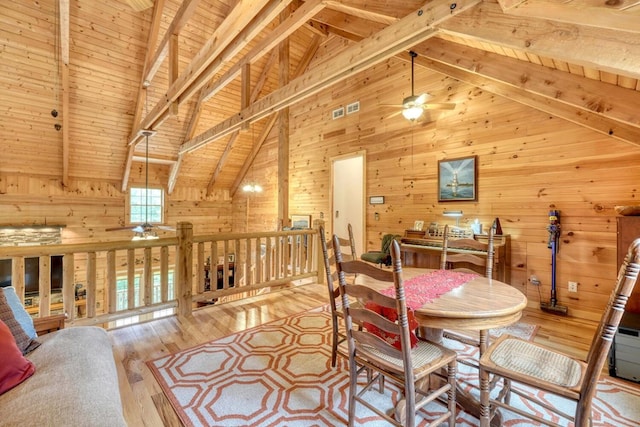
x=147, y=232
x=252, y=187
x=412, y=104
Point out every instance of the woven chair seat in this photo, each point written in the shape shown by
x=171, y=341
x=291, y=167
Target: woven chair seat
x=534, y=361
x=423, y=356
x=515, y=360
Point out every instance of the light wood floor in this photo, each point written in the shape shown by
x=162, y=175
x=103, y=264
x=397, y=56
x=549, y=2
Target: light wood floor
x=143, y=400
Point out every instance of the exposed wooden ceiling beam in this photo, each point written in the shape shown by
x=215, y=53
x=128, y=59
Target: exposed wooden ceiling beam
x=221, y=161
x=231, y=36
x=312, y=48
x=360, y=13
x=289, y=26
x=174, y=70
x=561, y=94
x=597, y=48
x=607, y=15
x=182, y=16
x=154, y=160
x=234, y=136
x=334, y=20
x=409, y=31
x=509, y=4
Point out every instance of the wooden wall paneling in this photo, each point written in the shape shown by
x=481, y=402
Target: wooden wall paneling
x=528, y=165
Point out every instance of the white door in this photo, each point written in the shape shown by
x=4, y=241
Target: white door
x=348, y=198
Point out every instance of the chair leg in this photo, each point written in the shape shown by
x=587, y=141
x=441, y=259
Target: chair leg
x=334, y=343
x=484, y=341
x=353, y=383
x=452, y=371
x=485, y=405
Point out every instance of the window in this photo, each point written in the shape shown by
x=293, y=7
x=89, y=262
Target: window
x=122, y=294
x=146, y=208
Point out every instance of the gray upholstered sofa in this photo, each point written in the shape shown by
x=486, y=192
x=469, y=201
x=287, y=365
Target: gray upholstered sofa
x=75, y=383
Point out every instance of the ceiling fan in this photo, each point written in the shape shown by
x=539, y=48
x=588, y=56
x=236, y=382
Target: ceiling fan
x=146, y=230
x=413, y=106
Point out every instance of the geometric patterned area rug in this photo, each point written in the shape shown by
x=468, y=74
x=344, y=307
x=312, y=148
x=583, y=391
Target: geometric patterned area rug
x=280, y=374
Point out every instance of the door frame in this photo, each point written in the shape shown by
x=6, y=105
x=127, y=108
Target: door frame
x=361, y=242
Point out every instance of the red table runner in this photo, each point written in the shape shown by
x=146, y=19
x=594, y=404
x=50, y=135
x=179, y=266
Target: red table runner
x=418, y=291
x=426, y=287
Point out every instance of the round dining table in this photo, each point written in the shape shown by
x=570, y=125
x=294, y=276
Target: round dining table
x=481, y=303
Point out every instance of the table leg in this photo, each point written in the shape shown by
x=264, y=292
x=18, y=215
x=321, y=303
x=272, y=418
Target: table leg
x=464, y=399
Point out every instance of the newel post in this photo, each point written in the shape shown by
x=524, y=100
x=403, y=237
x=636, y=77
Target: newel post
x=184, y=268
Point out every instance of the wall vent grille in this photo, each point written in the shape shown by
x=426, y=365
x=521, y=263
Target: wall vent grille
x=354, y=107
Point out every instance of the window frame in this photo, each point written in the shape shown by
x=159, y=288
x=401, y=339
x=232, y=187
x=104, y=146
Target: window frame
x=151, y=219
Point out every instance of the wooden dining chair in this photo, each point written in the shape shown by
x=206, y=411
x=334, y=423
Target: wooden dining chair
x=332, y=280
x=523, y=362
x=406, y=367
x=468, y=252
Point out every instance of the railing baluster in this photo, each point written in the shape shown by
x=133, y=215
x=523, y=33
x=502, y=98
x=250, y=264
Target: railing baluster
x=247, y=263
x=68, y=286
x=44, y=291
x=147, y=278
x=200, y=269
x=91, y=285
x=131, y=279
x=164, y=275
x=111, y=282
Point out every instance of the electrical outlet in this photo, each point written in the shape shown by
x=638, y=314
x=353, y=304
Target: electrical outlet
x=573, y=286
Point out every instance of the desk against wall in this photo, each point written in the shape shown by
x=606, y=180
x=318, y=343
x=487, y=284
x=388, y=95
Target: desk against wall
x=420, y=250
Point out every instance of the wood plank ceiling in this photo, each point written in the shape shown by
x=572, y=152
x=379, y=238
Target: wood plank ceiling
x=205, y=74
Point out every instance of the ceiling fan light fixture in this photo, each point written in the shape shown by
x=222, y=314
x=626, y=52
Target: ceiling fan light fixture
x=145, y=235
x=252, y=188
x=412, y=113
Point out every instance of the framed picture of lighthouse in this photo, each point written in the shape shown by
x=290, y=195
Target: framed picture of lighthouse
x=458, y=179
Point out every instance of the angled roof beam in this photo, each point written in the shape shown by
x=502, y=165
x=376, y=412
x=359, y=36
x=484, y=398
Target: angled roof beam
x=617, y=52
x=339, y=23
x=305, y=12
x=252, y=97
x=561, y=94
x=233, y=34
x=302, y=67
x=194, y=117
x=291, y=24
x=509, y=4
x=360, y=13
x=599, y=17
x=183, y=15
x=409, y=31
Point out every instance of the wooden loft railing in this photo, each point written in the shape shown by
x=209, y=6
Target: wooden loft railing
x=121, y=280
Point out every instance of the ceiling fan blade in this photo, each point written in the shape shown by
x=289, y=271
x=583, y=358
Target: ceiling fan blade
x=440, y=106
x=139, y=229
x=391, y=105
x=397, y=113
x=166, y=227
x=421, y=99
x=120, y=228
